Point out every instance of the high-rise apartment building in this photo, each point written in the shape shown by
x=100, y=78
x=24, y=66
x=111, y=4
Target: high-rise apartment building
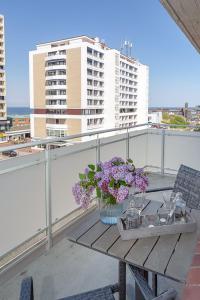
x=3, y=110
x=80, y=84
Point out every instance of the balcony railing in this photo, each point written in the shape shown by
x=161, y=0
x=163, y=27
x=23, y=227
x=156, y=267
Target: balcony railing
x=36, y=196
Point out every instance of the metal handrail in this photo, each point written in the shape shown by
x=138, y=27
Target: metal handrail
x=67, y=138
x=75, y=136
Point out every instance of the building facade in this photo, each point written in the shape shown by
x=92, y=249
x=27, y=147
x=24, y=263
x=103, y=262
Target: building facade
x=80, y=84
x=155, y=117
x=4, y=123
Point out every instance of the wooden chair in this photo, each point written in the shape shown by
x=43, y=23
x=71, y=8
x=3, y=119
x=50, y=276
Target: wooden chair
x=188, y=183
x=105, y=293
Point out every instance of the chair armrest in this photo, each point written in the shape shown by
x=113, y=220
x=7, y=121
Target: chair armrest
x=26, y=292
x=167, y=188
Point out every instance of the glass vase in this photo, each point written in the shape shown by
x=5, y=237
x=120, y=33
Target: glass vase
x=109, y=212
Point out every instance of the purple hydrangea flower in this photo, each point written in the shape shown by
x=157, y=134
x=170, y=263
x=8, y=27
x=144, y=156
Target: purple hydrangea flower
x=129, y=178
x=122, y=194
x=82, y=196
x=113, y=192
x=117, y=160
x=98, y=175
x=86, y=171
x=121, y=174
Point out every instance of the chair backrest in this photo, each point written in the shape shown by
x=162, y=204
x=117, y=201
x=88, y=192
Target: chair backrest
x=188, y=183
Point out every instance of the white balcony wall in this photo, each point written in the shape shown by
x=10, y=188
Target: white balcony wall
x=154, y=139
x=138, y=147
x=23, y=209
x=65, y=169
x=182, y=149
x=22, y=212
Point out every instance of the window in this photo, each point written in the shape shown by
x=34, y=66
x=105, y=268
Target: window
x=62, y=52
x=89, y=92
x=89, y=82
x=52, y=53
x=89, y=71
x=101, y=55
x=61, y=72
x=55, y=62
x=56, y=133
x=89, y=50
x=89, y=61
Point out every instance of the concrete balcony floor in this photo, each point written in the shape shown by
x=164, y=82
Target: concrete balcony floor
x=68, y=268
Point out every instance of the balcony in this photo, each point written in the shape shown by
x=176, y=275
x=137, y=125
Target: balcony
x=56, y=77
x=56, y=97
x=57, y=106
x=55, y=87
x=55, y=57
x=56, y=67
x=37, y=205
x=56, y=126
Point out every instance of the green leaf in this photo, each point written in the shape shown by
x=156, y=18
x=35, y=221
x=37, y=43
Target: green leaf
x=122, y=182
x=112, y=183
x=91, y=175
x=129, y=160
x=92, y=167
x=82, y=176
x=98, y=191
x=98, y=169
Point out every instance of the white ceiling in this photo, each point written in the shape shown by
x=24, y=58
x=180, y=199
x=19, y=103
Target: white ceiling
x=186, y=13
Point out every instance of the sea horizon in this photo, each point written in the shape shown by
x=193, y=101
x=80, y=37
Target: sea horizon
x=18, y=110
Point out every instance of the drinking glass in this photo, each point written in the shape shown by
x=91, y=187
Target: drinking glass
x=138, y=203
x=132, y=219
x=151, y=220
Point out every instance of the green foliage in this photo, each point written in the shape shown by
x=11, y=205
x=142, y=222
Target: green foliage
x=98, y=192
x=90, y=175
x=165, y=115
x=174, y=120
x=130, y=161
x=112, y=183
x=197, y=129
x=92, y=167
x=82, y=176
x=179, y=120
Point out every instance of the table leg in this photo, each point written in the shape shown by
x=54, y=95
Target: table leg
x=122, y=280
x=155, y=284
x=138, y=292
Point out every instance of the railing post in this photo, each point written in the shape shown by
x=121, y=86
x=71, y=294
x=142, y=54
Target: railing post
x=48, y=196
x=98, y=154
x=127, y=144
x=162, y=167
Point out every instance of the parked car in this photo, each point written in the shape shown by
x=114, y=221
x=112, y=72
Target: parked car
x=11, y=153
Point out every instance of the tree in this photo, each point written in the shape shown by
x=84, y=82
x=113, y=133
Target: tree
x=165, y=115
x=178, y=120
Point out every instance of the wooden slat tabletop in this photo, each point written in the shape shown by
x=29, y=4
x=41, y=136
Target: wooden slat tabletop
x=167, y=255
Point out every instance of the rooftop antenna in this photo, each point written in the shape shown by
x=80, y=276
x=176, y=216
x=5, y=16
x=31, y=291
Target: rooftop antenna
x=126, y=47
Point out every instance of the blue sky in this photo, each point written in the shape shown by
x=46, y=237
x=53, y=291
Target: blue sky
x=158, y=42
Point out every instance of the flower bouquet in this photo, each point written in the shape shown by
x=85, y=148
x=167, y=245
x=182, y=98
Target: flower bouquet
x=112, y=181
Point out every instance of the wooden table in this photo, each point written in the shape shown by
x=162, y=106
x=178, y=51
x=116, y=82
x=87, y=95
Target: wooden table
x=168, y=255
